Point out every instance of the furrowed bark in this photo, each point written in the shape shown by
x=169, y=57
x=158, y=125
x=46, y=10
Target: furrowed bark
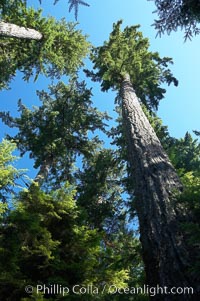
x=15, y=31
x=155, y=180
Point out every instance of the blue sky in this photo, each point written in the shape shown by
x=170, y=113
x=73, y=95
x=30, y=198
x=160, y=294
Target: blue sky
x=180, y=108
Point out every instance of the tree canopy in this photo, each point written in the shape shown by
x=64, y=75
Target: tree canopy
x=60, y=51
x=57, y=131
x=75, y=221
x=183, y=14
x=127, y=52
x=64, y=225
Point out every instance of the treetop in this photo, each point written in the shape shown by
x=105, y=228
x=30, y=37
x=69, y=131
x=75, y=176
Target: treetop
x=127, y=51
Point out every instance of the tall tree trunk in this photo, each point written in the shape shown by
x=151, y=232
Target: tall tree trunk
x=43, y=171
x=164, y=252
x=15, y=31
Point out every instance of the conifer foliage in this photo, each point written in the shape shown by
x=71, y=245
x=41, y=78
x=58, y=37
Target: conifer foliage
x=75, y=4
x=60, y=51
x=57, y=132
x=127, y=52
x=125, y=63
x=178, y=14
x=71, y=224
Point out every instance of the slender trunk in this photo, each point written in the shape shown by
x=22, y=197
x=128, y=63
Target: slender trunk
x=15, y=31
x=43, y=172
x=155, y=180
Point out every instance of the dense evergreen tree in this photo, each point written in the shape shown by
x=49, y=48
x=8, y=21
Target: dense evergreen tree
x=60, y=51
x=123, y=62
x=59, y=235
x=9, y=175
x=184, y=153
x=57, y=132
x=48, y=238
x=45, y=240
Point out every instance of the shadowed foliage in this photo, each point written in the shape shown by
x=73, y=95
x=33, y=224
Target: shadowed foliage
x=178, y=14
